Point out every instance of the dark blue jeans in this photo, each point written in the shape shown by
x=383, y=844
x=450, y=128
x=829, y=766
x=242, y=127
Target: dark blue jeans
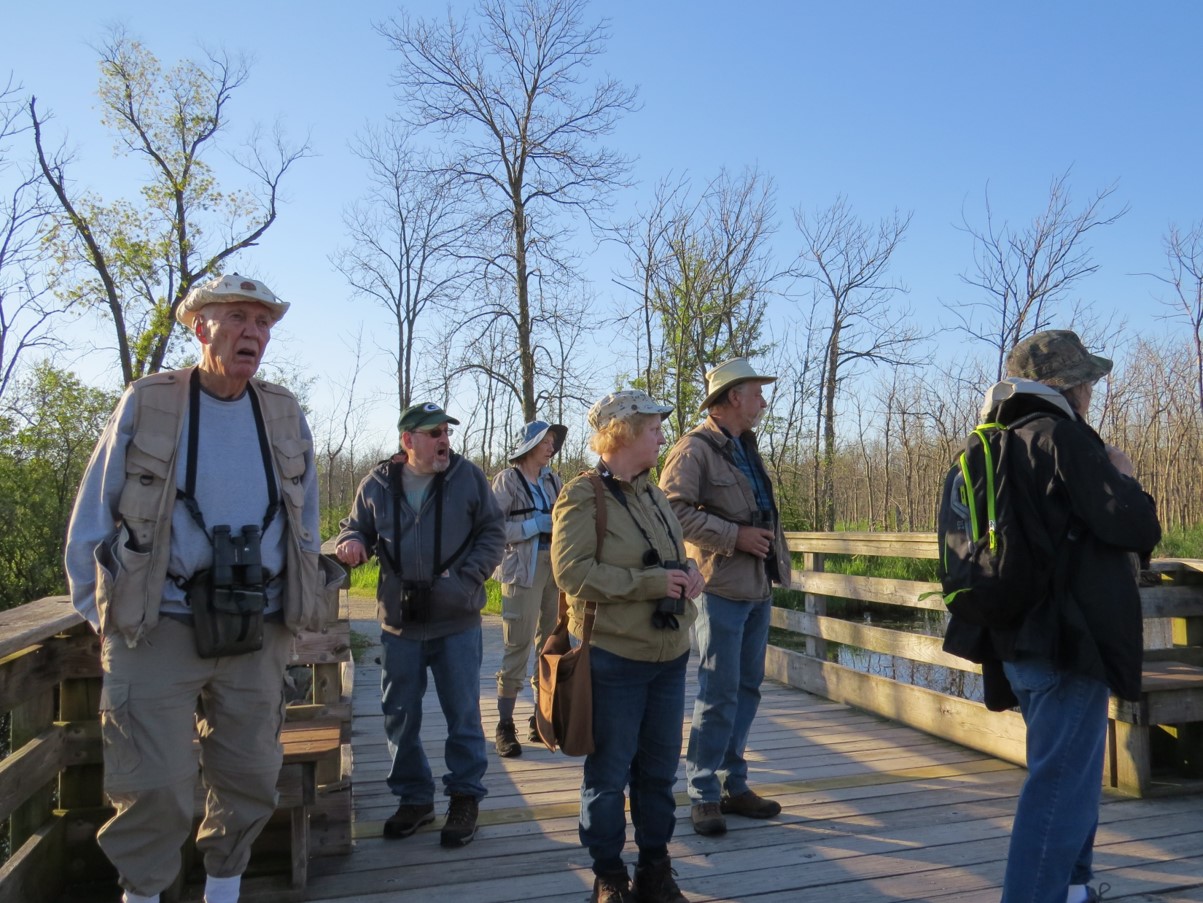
x=638, y=712
x=1052, y=840
x=454, y=661
x=732, y=640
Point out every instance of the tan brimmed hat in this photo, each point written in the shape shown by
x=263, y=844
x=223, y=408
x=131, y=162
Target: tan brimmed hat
x=1056, y=358
x=226, y=289
x=727, y=374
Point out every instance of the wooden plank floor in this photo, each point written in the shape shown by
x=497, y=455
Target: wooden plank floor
x=871, y=812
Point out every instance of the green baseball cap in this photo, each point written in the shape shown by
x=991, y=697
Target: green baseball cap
x=423, y=416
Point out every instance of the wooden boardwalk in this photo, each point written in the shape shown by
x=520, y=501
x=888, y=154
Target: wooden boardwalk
x=872, y=811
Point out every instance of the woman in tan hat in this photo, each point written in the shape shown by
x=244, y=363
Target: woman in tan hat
x=525, y=492
x=633, y=598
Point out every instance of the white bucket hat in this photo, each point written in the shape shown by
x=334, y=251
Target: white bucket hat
x=227, y=289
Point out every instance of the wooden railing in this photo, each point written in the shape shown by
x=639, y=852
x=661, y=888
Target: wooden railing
x=1144, y=756
x=50, y=781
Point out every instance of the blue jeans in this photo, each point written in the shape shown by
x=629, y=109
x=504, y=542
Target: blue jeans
x=732, y=639
x=1052, y=841
x=454, y=661
x=638, y=710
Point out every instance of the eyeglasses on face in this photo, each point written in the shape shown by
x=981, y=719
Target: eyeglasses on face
x=438, y=432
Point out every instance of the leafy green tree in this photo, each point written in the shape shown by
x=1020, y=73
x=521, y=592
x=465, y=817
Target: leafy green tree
x=48, y=428
x=136, y=259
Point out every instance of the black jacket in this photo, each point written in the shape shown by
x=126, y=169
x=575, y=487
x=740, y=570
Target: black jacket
x=1093, y=523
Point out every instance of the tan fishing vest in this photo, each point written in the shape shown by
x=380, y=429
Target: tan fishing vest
x=133, y=568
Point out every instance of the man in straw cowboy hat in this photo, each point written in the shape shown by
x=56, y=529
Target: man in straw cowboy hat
x=201, y=492
x=719, y=488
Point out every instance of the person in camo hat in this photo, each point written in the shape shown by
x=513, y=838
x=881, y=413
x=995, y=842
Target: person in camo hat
x=525, y=492
x=641, y=586
x=1081, y=506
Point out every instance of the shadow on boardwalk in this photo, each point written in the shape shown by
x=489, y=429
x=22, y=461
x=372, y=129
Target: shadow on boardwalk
x=872, y=811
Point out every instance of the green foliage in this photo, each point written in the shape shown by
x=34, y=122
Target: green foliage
x=47, y=432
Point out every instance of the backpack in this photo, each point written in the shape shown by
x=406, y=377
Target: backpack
x=987, y=571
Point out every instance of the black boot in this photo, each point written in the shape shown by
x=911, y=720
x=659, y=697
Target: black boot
x=506, y=740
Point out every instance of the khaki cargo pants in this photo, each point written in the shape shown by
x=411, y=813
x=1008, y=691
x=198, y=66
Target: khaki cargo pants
x=156, y=699
x=528, y=616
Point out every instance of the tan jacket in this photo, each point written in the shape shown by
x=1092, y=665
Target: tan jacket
x=712, y=498
x=518, y=564
x=129, y=582
x=625, y=589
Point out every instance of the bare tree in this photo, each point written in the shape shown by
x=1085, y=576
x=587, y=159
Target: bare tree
x=405, y=241
x=26, y=282
x=137, y=259
x=522, y=128
x=1024, y=274
x=1184, y=276
x=847, y=261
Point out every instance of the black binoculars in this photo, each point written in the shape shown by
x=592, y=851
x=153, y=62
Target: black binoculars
x=415, y=600
x=237, y=571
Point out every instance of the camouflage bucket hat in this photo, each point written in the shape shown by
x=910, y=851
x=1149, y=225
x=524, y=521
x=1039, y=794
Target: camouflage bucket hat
x=1056, y=358
x=621, y=405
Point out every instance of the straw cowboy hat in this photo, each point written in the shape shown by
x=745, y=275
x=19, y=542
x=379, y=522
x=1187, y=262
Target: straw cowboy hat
x=727, y=374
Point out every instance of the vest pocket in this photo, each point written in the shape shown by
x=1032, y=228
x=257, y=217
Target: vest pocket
x=122, y=595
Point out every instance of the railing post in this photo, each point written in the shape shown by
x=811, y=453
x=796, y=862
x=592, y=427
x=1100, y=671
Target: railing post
x=816, y=647
x=27, y=721
x=1189, y=632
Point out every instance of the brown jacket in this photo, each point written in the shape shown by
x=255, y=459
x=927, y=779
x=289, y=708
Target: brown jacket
x=712, y=498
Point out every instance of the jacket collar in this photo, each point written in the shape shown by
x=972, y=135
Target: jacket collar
x=1017, y=392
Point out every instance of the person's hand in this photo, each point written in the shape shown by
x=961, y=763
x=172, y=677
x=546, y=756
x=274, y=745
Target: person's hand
x=351, y=552
x=697, y=582
x=543, y=522
x=754, y=541
x=679, y=583
x=1120, y=461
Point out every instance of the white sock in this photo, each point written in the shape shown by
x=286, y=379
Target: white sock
x=222, y=890
x=131, y=897
x=1077, y=894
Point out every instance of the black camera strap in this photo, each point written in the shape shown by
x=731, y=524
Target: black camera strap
x=188, y=495
x=615, y=487
x=396, y=468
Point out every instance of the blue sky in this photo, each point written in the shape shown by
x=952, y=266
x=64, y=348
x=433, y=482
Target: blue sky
x=914, y=105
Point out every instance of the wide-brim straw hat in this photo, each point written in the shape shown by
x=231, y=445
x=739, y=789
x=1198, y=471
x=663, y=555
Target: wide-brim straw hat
x=727, y=374
x=532, y=434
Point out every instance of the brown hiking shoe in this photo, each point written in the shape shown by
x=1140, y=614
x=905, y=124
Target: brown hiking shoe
x=408, y=818
x=460, y=826
x=655, y=882
x=750, y=805
x=506, y=740
x=708, y=819
x=615, y=888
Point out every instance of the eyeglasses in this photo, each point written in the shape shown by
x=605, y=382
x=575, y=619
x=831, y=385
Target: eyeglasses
x=438, y=432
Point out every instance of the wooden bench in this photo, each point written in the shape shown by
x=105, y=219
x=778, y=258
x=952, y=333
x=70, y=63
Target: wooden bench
x=307, y=746
x=1155, y=744
x=1162, y=731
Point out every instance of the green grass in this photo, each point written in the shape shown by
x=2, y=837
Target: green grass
x=364, y=577
x=1181, y=542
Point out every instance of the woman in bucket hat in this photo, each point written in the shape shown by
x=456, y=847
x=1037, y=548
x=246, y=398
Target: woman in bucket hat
x=640, y=590
x=525, y=492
